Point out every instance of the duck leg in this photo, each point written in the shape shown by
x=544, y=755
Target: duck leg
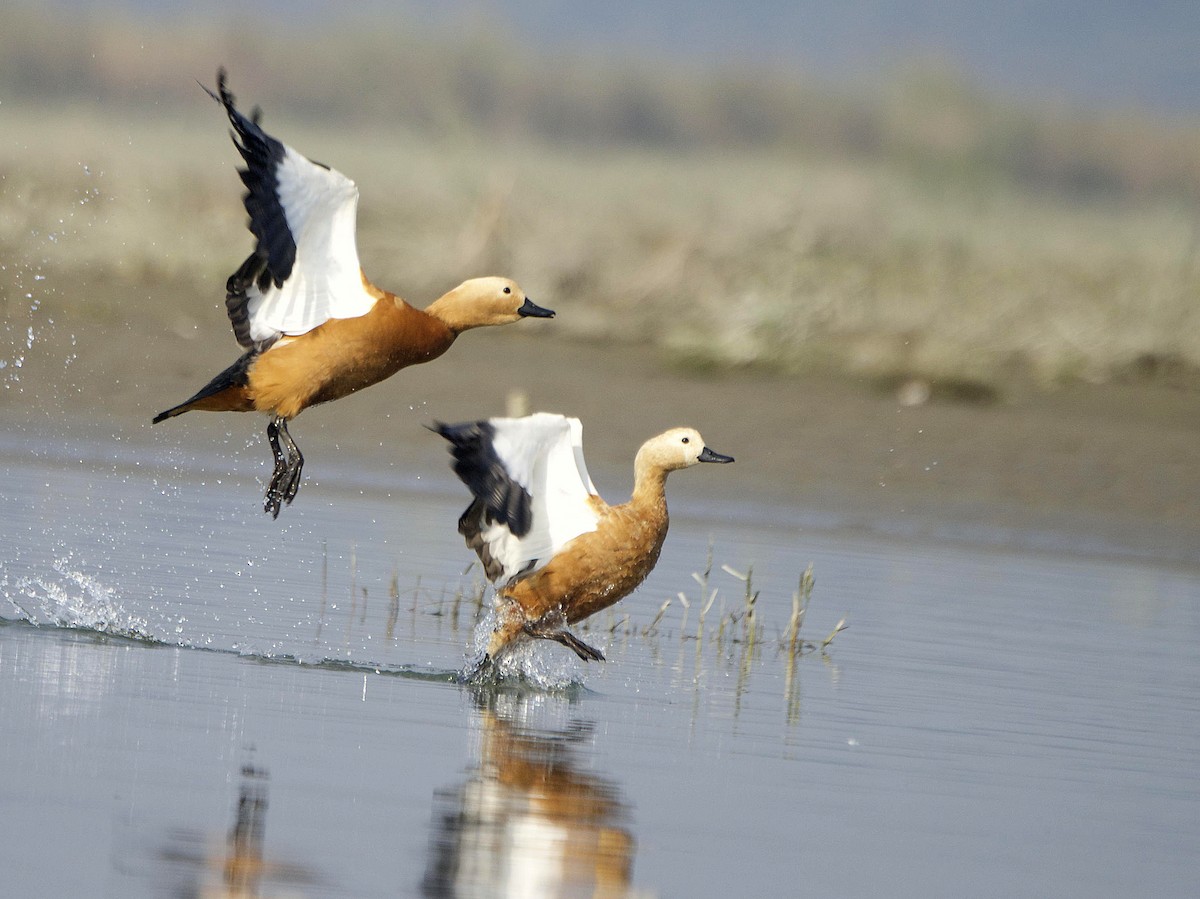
x=289, y=463
x=581, y=649
x=291, y=483
x=272, y=501
x=554, y=629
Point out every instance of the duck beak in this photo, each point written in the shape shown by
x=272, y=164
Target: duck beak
x=707, y=455
x=530, y=309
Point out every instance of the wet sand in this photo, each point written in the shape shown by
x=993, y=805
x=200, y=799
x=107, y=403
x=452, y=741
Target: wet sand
x=1113, y=462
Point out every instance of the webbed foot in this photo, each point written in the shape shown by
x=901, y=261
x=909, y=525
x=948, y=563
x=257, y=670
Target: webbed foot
x=289, y=464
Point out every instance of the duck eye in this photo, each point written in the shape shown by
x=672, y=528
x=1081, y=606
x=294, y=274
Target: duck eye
x=508, y=290
x=686, y=439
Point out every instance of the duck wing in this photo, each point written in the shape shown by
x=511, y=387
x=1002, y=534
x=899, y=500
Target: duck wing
x=532, y=491
x=304, y=269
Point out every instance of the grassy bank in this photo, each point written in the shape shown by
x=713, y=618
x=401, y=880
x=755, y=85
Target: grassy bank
x=923, y=231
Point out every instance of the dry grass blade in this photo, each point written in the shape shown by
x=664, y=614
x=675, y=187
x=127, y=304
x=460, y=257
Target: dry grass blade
x=653, y=625
x=841, y=626
x=619, y=625
x=800, y=601
x=750, y=598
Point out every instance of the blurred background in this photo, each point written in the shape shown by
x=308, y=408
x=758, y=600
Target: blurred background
x=937, y=205
x=950, y=190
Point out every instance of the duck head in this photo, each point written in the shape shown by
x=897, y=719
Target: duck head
x=675, y=449
x=481, y=302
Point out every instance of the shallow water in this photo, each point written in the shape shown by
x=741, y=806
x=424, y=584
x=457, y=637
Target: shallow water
x=197, y=699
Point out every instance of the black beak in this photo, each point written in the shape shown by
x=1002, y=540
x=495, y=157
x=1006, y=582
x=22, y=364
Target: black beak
x=530, y=309
x=707, y=455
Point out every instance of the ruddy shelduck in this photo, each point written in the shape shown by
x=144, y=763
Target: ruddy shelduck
x=554, y=549
x=313, y=327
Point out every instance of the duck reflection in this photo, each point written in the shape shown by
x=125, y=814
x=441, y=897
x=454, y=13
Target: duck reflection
x=238, y=869
x=528, y=822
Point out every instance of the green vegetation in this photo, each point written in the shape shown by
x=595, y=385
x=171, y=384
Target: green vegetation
x=726, y=219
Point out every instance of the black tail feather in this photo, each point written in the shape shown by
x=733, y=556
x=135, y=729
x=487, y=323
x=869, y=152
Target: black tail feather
x=234, y=376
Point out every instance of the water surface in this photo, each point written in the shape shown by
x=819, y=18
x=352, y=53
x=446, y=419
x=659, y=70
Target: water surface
x=197, y=698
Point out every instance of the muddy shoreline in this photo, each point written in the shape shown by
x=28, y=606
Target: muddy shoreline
x=1114, y=462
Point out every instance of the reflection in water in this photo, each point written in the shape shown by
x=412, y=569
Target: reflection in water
x=236, y=870
x=527, y=822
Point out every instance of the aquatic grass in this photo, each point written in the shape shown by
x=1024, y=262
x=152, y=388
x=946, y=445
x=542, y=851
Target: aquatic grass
x=393, y=604
x=750, y=633
x=454, y=609
x=750, y=598
x=324, y=590
x=724, y=629
x=652, y=627
x=729, y=638
x=707, y=597
x=837, y=629
x=800, y=601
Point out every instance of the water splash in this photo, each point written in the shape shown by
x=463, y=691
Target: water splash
x=534, y=663
x=29, y=281
x=20, y=340
x=76, y=600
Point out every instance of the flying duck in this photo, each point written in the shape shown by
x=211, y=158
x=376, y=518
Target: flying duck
x=313, y=328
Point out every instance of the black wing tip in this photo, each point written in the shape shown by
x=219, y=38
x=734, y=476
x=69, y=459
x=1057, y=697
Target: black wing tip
x=262, y=154
x=463, y=434
x=241, y=124
x=226, y=98
x=222, y=95
x=497, y=496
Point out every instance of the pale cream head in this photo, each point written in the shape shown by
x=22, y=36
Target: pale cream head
x=674, y=449
x=481, y=302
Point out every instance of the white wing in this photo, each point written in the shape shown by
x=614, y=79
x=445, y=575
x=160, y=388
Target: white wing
x=304, y=269
x=531, y=486
x=320, y=207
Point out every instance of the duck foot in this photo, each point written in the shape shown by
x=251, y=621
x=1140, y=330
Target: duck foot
x=289, y=463
x=479, y=671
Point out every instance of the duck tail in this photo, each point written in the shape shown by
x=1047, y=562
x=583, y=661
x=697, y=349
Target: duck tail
x=234, y=378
